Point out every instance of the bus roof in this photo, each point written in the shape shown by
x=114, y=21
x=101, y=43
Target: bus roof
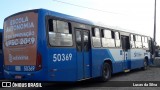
x=77, y=19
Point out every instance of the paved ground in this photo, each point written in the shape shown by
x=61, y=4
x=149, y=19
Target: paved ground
x=152, y=74
x=157, y=62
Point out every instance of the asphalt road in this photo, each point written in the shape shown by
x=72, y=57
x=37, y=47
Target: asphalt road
x=151, y=74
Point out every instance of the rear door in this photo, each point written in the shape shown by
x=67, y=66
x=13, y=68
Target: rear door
x=83, y=46
x=125, y=48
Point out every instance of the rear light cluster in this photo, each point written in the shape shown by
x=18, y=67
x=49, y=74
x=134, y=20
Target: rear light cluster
x=39, y=61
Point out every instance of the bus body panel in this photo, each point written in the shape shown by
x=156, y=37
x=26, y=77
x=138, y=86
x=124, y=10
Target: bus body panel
x=62, y=64
x=100, y=55
x=137, y=57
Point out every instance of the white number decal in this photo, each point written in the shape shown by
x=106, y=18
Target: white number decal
x=62, y=57
x=29, y=68
x=59, y=57
x=67, y=58
x=70, y=56
x=54, y=57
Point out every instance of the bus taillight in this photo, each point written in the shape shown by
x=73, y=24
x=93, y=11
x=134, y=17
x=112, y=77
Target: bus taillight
x=39, y=62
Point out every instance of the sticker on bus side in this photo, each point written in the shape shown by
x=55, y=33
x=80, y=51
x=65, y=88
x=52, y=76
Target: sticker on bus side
x=20, y=39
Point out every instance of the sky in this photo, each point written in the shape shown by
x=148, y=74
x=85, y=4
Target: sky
x=132, y=15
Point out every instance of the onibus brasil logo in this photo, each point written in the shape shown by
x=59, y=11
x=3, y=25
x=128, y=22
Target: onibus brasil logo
x=17, y=84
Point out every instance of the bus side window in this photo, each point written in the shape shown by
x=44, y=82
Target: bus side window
x=108, y=38
x=86, y=41
x=117, y=39
x=59, y=33
x=62, y=27
x=96, y=37
x=78, y=41
x=138, y=41
x=145, y=42
x=132, y=40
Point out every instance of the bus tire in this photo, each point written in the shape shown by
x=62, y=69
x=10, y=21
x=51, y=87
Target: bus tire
x=145, y=65
x=106, y=72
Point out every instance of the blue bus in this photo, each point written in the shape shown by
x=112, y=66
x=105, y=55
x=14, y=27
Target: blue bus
x=1, y=54
x=43, y=45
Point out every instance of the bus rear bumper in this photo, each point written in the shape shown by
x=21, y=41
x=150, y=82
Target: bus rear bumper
x=39, y=76
x=28, y=76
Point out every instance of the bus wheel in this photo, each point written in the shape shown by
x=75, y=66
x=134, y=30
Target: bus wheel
x=106, y=72
x=145, y=65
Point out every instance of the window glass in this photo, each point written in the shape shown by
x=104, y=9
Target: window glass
x=136, y=38
x=78, y=41
x=60, y=39
x=78, y=36
x=117, y=35
x=62, y=27
x=146, y=39
x=96, y=41
x=143, y=39
x=145, y=45
x=139, y=38
x=108, y=39
x=86, y=41
x=107, y=34
x=132, y=38
x=138, y=44
x=118, y=43
x=54, y=26
x=117, y=39
x=132, y=44
x=96, y=38
x=59, y=33
x=145, y=42
x=108, y=42
x=97, y=33
x=85, y=36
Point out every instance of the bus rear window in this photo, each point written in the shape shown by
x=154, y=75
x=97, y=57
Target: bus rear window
x=59, y=33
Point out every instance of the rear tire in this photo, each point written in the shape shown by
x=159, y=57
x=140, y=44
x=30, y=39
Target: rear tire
x=106, y=72
x=145, y=65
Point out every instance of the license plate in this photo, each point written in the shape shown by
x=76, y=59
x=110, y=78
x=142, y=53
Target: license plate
x=18, y=77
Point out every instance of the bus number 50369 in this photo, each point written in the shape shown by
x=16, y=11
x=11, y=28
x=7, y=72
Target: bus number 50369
x=62, y=57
